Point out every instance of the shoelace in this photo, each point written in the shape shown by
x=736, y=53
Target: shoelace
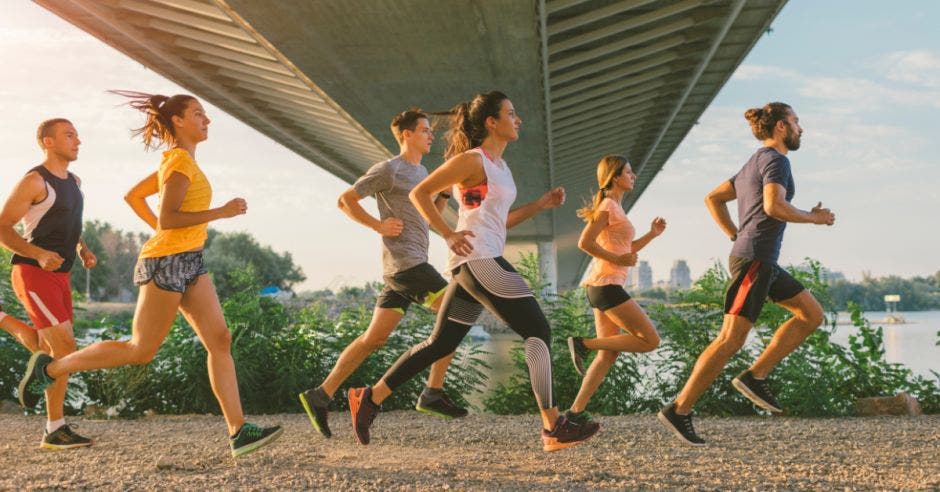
x=67, y=428
x=447, y=403
x=252, y=432
x=763, y=387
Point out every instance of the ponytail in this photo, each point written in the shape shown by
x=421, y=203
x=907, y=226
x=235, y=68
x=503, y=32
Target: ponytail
x=158, y=128
x=608, y=168
x=468, y=122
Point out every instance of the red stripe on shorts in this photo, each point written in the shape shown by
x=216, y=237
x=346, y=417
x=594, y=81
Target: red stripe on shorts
x=744, y=288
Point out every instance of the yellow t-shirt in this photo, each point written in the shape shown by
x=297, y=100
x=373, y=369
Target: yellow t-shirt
x=198, y=197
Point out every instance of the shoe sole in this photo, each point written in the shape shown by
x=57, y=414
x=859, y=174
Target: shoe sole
x=444, y=416
x=557, y=446
x=30, y=366
x=354, y=402
x=750, y=395
x=313, y=418
x=61, y=447
x=251, y=448
x=662, y=418
x=574, y=357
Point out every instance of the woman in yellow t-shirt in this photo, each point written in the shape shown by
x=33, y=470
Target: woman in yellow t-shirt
x=610, y=238
x=170, y=269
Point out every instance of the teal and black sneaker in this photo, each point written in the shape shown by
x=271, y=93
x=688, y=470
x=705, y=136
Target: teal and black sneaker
x=317, y=405
x=35, y=381
x=437, y=403
x=64, y=438
x=580, y=418
x=250, y=438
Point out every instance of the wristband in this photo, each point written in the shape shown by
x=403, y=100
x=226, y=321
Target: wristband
x=444, y=195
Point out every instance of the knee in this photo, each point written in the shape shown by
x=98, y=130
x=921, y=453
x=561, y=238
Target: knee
x=439, y=348
x=812, y=316
x=219, y=342
x=373, y=342
x=62, y=348
x=142, y=355
x=729, y=344
x=651, y=343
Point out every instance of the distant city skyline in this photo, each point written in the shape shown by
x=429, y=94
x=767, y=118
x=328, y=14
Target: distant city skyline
x=864, y=77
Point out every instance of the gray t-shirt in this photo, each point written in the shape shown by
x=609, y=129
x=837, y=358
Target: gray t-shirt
x=390, y=182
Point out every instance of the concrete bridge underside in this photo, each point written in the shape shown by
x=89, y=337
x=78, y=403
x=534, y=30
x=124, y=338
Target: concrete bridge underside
x=589, y=77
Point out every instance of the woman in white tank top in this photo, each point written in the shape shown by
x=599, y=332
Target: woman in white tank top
x=480, y=131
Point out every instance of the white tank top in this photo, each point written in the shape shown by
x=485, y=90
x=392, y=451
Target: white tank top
x=484, y=209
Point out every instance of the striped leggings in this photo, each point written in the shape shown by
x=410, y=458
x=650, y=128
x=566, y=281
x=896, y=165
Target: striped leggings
x=492, y=283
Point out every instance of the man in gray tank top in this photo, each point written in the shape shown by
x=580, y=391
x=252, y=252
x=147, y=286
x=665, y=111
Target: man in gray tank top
x=408, y=276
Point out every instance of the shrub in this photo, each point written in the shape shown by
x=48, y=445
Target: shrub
x=820, y=378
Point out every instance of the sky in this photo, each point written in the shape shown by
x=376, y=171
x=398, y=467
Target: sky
x=863, y=76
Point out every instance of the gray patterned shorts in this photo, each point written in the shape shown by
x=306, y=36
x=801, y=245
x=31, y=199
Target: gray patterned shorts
x=173, y=273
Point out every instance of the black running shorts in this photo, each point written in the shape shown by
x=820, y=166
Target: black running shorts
x=420, y=284
x=604, y=297
x=752, y=282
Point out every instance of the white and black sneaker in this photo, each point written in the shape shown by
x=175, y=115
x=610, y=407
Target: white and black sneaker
x=680, y=425
x=756, y=390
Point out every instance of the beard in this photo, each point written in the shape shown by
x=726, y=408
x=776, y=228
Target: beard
x=792, y=139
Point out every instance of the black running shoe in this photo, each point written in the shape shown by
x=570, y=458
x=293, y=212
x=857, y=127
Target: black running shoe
x=756, y=390
x=580, y=418
x=251, y=438
x=567, y=433
x=680, y=425
x=316, y=403
x=64, y=438
x=440, y=406
x=35, y=381
x=578, y=353
x=363, y=412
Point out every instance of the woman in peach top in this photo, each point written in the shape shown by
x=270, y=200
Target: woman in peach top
x=622, y=325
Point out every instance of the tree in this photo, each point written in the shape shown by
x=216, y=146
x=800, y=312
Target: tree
x=227, y=252
x=112, y=278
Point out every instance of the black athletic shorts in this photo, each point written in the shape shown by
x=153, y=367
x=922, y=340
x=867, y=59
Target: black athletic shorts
x=420, y=283
x=752, y=282
x=604, y=297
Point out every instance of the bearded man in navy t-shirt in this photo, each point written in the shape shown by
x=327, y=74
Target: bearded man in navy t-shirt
x=763, y=189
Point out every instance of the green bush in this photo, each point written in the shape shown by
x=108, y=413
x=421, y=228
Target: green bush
x=278, y=353
x=820, y=378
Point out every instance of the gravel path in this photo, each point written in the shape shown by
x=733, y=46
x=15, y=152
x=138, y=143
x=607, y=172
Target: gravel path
x=413, y=451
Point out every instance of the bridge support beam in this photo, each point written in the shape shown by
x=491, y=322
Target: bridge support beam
x=548, y=266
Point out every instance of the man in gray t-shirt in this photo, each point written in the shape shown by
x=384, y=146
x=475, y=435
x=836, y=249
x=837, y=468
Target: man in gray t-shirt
x=390, y=182
x=408, y=276
x=763, y=189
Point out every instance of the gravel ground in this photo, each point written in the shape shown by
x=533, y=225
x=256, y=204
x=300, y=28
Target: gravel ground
x=414, y=451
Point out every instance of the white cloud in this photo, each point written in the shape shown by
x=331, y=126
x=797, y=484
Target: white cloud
x=920, y=67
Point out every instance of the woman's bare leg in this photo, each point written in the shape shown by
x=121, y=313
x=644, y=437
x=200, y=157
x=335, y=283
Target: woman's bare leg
x=202, y=309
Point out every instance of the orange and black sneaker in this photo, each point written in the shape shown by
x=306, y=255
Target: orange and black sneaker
x=363, y=412
x=567, y=433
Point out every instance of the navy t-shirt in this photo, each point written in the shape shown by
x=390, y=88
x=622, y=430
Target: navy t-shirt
x=760, y=235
